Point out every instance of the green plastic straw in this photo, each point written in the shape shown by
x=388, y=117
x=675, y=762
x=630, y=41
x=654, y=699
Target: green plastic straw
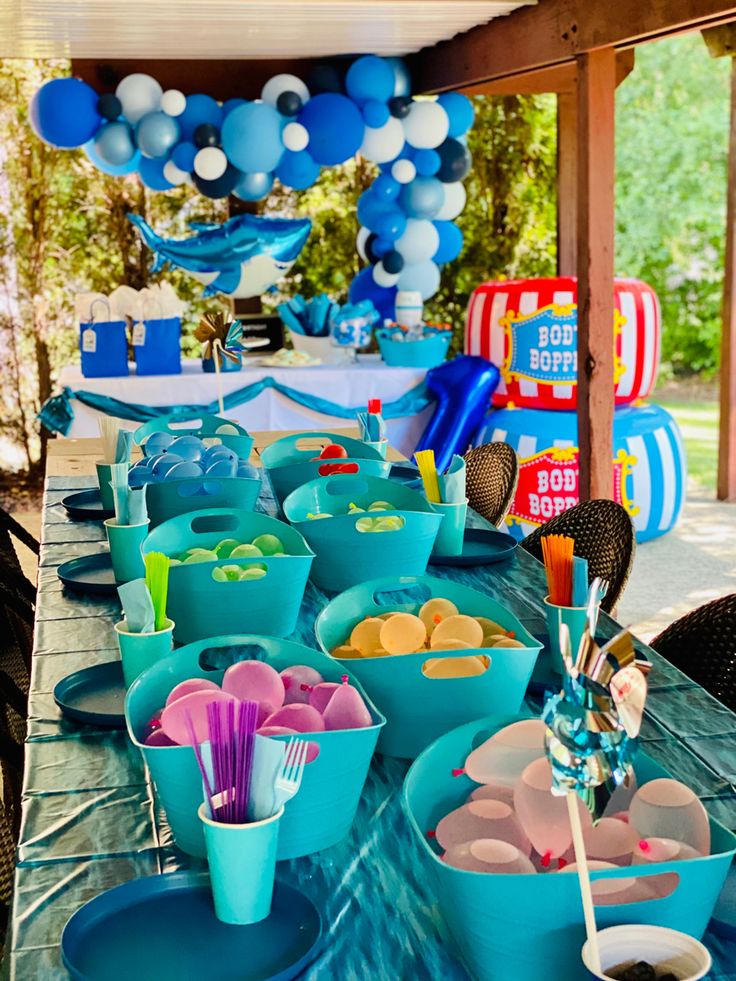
x=157, y=580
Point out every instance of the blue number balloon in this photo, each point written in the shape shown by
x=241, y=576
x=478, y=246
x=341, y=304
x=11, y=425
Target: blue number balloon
x=297, y=169
x=369, y=78
x=251, y=137
x=156, y=134
x=335, y=128
x=64, y=113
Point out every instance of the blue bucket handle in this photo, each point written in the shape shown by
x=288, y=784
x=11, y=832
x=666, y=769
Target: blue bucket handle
x=338, y=486
x=175, y=425
x=388, y=586
x=273, y=455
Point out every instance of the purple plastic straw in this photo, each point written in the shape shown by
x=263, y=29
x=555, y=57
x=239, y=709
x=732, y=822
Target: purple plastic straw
x=232, y=745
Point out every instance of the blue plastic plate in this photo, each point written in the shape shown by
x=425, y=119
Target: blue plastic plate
x=86, y=506
x=94, y=695
x=163, y=927
x=482, y=546
x=89, y=574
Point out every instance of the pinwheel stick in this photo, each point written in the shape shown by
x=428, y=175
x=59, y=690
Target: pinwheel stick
x=216, y=349
x=586, y=893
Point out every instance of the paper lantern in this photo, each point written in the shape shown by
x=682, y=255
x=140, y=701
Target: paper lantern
x=528, y=327
x=649, y=465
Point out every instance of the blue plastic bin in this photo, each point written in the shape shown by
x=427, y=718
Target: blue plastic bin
x=203, y=425
x=202, y=607
x=419, y=709
x=345, y=556
x=160, y=353
x=530, y=927
x=288, y=462
x=170, y=498
x=426, y=353
x=110, y=356
x=321, y=813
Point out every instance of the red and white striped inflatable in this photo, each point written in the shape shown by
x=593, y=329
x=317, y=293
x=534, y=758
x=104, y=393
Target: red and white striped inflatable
x=528, y=327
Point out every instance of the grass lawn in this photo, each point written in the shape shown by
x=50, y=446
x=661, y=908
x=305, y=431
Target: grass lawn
x=699, y=424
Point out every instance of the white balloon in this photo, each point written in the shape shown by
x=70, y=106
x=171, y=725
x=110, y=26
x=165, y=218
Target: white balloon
x=424, y=277
x=419, y=242
x=210, y=163
x=383, y=278
x=404, y=171
x=361, y=239
x=139, y=94
x=455, y=197
x=295, y=137
x=383, y=143
x=283, y=83
x=426, y=126
x=173, y=102
x=173, y=174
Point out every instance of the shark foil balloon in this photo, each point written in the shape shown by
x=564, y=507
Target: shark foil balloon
x=241, y=257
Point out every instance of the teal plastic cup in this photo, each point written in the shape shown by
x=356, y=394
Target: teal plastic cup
x=139, y=651
x=575, y=619
x=242, y=861
x=125, y=549
x=381, y=446
x=104, y=476
x=451, y=535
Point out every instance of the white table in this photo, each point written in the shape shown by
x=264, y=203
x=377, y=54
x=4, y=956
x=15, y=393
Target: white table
x=348, y=385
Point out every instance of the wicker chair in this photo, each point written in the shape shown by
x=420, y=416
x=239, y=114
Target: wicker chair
x=604, y=535
x=703, y=645
x=492, y=473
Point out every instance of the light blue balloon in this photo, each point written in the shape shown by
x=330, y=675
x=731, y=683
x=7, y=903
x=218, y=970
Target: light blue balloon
x=402, y=78
x=114, y=144
x=421, y=277
x=156, y=134
x=251, y=137
x=253, y=187
x=370, y=78
x=423, y=198
x=459, y=111
x=129, y=168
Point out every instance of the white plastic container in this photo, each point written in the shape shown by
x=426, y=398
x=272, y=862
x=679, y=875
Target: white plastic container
x=322, y=348
x=666, y=950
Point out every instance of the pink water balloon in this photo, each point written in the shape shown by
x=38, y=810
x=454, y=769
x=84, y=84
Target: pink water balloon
x=158, y=738
x=651, y=851
x=611, y=841
x=174, y=716
x=488, y=855
x=302, y=718
x=346, y=709
x=189, y=686
x=666, y=808
x=257, y=681
x=320, y=695
x=312, y=748
x=298, y=682
x=613, y=892
x=481, y=819
x=503, y=757
x=542, y=814
x=493, y=791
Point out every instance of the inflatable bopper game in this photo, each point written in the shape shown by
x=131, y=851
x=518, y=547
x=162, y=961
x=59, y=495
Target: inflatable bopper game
x=528, y=328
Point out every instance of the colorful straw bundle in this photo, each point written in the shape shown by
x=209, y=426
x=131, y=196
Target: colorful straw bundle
x=231, y=744
x=157, y=581
x=558, y=563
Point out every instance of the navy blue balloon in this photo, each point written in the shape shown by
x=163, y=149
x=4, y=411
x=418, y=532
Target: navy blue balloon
x=289, y=103
x=114, y=144
x=114, y=171
x=422, y=198
x=183, y=156
x=221, y=187
x=325, y=78
x=335, y=128
x=391, y=224
x=364, y=287
x=199, y=109
x=400, y=105
x=393, y=262
x=455, y=161
x=427, y=162
x=297, y=169
x=459, y=111
x=63, y=112
x=152, y=174
x=206, y=135
x=376, y=114
x=386, y=188
x=381, y=246
x=370, y=77
x=451, y=241
x=109, y=106
x=156, y=134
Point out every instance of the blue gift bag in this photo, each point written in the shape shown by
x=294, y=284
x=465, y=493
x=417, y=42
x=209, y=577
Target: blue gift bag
x=104, y=349
x=157, y=346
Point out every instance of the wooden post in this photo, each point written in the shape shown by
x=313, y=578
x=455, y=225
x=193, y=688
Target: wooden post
x=727, y=426
x=567, y=179
x=596, y=166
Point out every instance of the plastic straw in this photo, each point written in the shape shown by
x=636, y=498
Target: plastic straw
x=579, y=581
x=557, y=553
x=157, y=580
x=109, y=433
x=231, y=736
x=428, y=473
x=584, y=879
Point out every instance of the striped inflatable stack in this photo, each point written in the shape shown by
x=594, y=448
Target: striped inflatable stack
x=529, y=329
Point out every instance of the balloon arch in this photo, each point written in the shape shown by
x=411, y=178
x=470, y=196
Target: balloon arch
x=296, y=128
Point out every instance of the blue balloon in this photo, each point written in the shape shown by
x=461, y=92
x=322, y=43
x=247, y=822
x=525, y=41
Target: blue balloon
x=335, y=128
x=376, y=114
x=63, y=112
x=183, y=156
x=451, y=241
x=423, y=197
x=459, y=111
x=364, y=287
x=114, y=144
x=227, y=107
x=370, y=208
x=391, y=224
x=369, y=78
x=386, y=188
x=420, y=277
x=199, y=109
x=156, y=134
x=402, y=78
x=152, y=174
x=427, y=162
x=251, y=137
x=253, y=187
x=115, y=171
x=297, y=169
x=407, y=153
x=221, y=187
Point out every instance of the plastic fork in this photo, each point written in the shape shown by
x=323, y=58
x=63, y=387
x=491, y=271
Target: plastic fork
x=289, y=779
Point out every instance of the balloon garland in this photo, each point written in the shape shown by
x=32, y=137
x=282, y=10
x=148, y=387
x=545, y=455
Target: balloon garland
x=241, y=147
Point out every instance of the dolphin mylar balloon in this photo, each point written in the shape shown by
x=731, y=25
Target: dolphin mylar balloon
x=241, y=257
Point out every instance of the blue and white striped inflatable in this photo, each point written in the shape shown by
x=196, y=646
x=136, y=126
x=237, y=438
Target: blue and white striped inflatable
x=649, y=465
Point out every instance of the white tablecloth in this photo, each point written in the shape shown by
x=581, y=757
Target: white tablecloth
x=348, y=385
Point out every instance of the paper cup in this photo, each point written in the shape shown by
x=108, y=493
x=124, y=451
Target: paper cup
x=242, y=861
x=104, y=476
x=664, y=949
x=450, y=537
x=139, y=651
x=574, y=618
x=125, y=549
x=380, y=445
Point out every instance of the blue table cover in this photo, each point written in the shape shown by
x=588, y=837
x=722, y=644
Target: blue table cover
x=90, y=819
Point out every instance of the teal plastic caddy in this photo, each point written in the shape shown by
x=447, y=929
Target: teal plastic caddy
x=345, y=556
x=321, y=813
x=530, y=927
x=170, y=498
x=203, y=425
x=202, y=607
x=288, y=464
x=419, y=709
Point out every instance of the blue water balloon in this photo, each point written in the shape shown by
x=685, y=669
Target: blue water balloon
x=335, y=128
x=369, y=78
x=63, y=112
x=251, y=137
